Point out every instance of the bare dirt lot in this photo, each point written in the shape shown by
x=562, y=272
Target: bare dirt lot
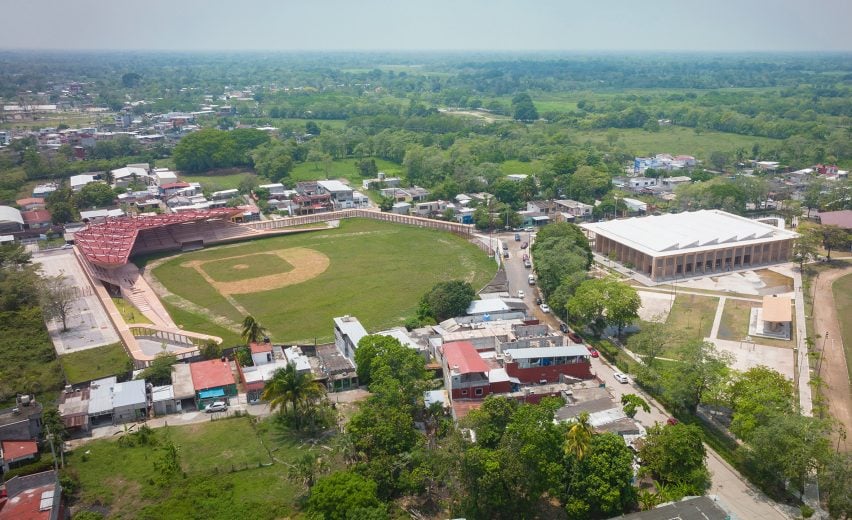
x=833, y=369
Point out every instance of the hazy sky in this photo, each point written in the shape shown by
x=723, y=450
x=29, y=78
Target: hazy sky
x=582, y=25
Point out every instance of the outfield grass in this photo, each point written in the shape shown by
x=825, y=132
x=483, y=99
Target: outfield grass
x=95, y=363
x=676, y=140
x=223, y=476
x=196, y=323
x=735, y=320
x=378, y=272
x=842, y=289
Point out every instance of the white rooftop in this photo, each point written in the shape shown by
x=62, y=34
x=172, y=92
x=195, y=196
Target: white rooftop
x=128, y=393
x=685, y=232
x=487, y=306
x=350, y=326
x=162, y=393
x=546, y=352
x=334, y=186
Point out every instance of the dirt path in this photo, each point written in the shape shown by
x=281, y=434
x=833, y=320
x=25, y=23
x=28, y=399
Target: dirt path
x=833, y=365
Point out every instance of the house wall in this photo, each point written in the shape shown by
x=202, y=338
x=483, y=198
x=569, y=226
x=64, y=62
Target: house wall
x=550, y=373
x=129, y=413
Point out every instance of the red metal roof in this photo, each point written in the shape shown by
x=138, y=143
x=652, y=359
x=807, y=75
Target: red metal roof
x=841, y=218
x=109, y=243
x=28, y=201
x=36, y=216
x=260, y=348
x=26, y=505
x=211, y=374
x=174, y=185
x=13, y=450
x=463, y=355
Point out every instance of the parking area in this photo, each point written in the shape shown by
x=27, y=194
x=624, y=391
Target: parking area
x=88, y=323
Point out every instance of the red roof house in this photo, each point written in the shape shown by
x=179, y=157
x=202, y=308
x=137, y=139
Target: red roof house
x=17, y=451
x=212, y=380
x=465, y=372
x=30, y=203
x=37, y=218
x=33, y=497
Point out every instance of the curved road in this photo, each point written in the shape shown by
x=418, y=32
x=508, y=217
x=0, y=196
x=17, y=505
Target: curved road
x=738, y=495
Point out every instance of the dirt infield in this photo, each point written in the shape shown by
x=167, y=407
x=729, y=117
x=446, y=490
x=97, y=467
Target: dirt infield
x=308, y=263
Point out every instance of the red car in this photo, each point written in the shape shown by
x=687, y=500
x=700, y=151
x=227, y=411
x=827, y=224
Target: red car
x=524, y=245
x=575, y=337
x=593, y=352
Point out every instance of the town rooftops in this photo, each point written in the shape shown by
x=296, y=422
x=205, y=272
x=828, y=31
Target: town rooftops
x=14, y=450
x=487, y=306
x=128, y=393
x=32, y=497
x=777, y=308
x=686, y=232
x=174, y=185
x=182, y=381
x=29, y=201
x=462, y=358
x=547, y=352
x=211, y=374
x=837, y=218
x=36, y=216
x=333, y=186
x=260, y=348
x=351, y=327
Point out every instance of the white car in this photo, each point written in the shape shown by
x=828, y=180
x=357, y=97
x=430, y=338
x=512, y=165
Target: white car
x=621, y=378
x=545, y=308
x=520, y=293
x=217, y=406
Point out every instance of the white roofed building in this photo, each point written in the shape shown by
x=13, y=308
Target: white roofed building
x=690, y=244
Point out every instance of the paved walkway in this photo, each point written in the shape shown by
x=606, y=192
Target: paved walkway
x=717, y=320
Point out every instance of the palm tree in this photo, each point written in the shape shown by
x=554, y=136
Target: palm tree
x=579, y=437
x=648, y=500
x=293, y=390
x=252, y=330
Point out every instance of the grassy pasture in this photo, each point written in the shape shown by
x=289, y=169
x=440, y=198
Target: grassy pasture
x=842, y=289
x=95, y=363
x=377, y=272
x=344, y=168
x=223, y=477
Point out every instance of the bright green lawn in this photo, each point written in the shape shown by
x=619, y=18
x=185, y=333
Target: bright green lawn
x=129, y=313
x=676, y=140
x=518, y=167
x=843, y=303
x=228, y=181
x=242, y=268
x=223, y=474
x=344, y=168
x=378, y=273
x=692, y=315
x=95, y=363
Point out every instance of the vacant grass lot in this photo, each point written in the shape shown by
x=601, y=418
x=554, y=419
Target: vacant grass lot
x=735, y=320
x=242, y=268
x=95, y=363
x=378, y=272
x=129, y=313
x=217, y=182
x=692, y=315
x=345, y=168
x=223, y=476
x=842, y=289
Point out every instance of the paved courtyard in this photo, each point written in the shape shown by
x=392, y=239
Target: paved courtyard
x=88, y=323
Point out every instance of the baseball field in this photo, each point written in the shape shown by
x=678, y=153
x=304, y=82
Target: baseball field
x=295, y=284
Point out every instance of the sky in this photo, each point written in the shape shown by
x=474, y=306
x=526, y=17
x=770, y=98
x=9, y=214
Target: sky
x=441, y=25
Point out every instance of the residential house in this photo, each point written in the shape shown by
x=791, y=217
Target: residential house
x=11, y=220
x=635, y=206
x=428, y=209
x=517, y=177
x=465, y=215
x=275, y=189
x=381, y=181
x=182, y=388
x=37, y=219
x=670, y=183
x=341, y=194
x=77, y=182
x=548, y=364
x=96, y=215
x=466, y=373
x=212, y=381
x=23, y=421
x=171, y=189
x=131, y=174
x=261, y=353
x=401, y=208
x=164, y=176
x=36, y=496
x=225, y=195
x=129, y=401
x=348, y=331
x=572, y=210
x=30, y=204
x=163, y=400
x=17, y=453
x=43, y=190
x=540, y=207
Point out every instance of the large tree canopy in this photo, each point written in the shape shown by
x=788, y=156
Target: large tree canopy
x=447, y=299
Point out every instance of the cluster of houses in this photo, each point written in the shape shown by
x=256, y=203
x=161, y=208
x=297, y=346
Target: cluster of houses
x=310, y=197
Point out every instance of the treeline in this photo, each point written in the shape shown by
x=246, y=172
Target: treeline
x=211, y=148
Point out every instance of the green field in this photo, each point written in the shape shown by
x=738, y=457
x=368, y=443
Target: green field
x=675, y=140
x=344, y=168
x=219, y=182
x=242, y=268
x=95, y=363
x=377, y=272
x=692, y=315
x=227, y=473
x=843, y=303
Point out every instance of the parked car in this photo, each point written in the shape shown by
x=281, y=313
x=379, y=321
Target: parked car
x=563, y=328
x=517, y=237
x=593, y=352
x=529, y=229
x=527, y=263
x=525, y=245
x=217, y=406
x=538, y=301
x=621, y=378
x=671, y=421
x=506, y=254
x=520, y=293
x=573, y=336
x=545, y=308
